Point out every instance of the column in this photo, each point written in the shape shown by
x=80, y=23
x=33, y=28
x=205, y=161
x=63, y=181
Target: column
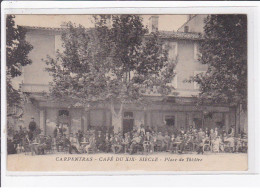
x=145, y=118
x=151, y=119
x=87, y=120
x=237, y=129
x=187, y=121
x=43, y=121
x=227, y=125
x=202, y=120
x=104, y=118
x=82, y=120
x=110, y=119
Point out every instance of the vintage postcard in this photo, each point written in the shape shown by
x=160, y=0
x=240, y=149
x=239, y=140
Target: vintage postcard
x=126, y=93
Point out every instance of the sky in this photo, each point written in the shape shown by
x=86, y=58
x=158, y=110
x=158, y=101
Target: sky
x=166, y=22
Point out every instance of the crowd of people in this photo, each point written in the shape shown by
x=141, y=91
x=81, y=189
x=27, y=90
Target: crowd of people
x=139, y=140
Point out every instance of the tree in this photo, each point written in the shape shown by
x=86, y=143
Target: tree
x=116, y=63
x=17, y=50
x=224, y=50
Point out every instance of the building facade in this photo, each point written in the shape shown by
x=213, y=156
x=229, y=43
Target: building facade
x=179, y=111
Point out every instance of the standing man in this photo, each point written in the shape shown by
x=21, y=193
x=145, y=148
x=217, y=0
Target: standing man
x=55, y=132
x=32, y=128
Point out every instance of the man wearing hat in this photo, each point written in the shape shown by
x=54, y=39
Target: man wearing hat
x=32, y=128
x=55, y=132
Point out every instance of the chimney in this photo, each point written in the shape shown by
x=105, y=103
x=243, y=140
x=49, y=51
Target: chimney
x=153, y=24
x=109, y=21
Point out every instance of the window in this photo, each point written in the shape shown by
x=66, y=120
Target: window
x=169, y=120
x=186, y=28
x=64, y=119
x=197, y=53
x=128, y=114
x=196, y=85
x=173, y=50
x=63, y=113
x=174, y=82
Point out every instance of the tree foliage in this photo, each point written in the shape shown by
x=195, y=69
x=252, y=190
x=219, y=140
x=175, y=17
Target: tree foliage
x=224, y=50
x=114, y=61
x=17, y=50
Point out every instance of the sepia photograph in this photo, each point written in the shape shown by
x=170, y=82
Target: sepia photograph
x=127, y=93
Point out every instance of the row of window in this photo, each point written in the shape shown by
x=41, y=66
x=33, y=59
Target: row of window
x=173, y=50
x=195, y=85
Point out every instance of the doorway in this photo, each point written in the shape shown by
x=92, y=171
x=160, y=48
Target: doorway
x=197, y=123
x=128, y=122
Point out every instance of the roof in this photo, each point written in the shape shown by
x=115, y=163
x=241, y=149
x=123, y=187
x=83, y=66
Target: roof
x=42, y=28
x=162, y=34
x=180, y=35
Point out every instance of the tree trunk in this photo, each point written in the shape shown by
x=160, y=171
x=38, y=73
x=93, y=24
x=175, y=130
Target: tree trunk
x=116, y=118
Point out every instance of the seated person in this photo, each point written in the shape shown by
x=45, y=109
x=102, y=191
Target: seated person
x=16, y=139
x=229, y=141
x=201, y=134
x=190, y=142
x=184, y=142
x=107, y=143
x=160, y=143
x=212, y=135
x=148, y=143
x=172, y=143
x=48, y=143
x=10, y=146
x=167, y=140
x=38, y=145
x=126, y=142
x=100, y=142
x=141, y=130
x=216, y=144
x=136, y=141
x=80, y=136
x=59, y=142
x=92, y=143
x=178, y=141
x=66, y=142
x=116, y=144
x=200, y=144
x=74, y=144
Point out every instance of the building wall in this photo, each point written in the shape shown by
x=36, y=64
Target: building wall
x=195, y=24
x=76, y=120
x=46, y=43
x=43, y=45
x=187, y=63
x=51, y=120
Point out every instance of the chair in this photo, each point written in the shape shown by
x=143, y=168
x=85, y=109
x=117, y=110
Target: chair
x=188, y=147
x=207, y=145
x=90, y=150
x=146, y=146
x=227, y=147
x=139, y=148
x=27, y=149
x=174, y=148
x=158, y=146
